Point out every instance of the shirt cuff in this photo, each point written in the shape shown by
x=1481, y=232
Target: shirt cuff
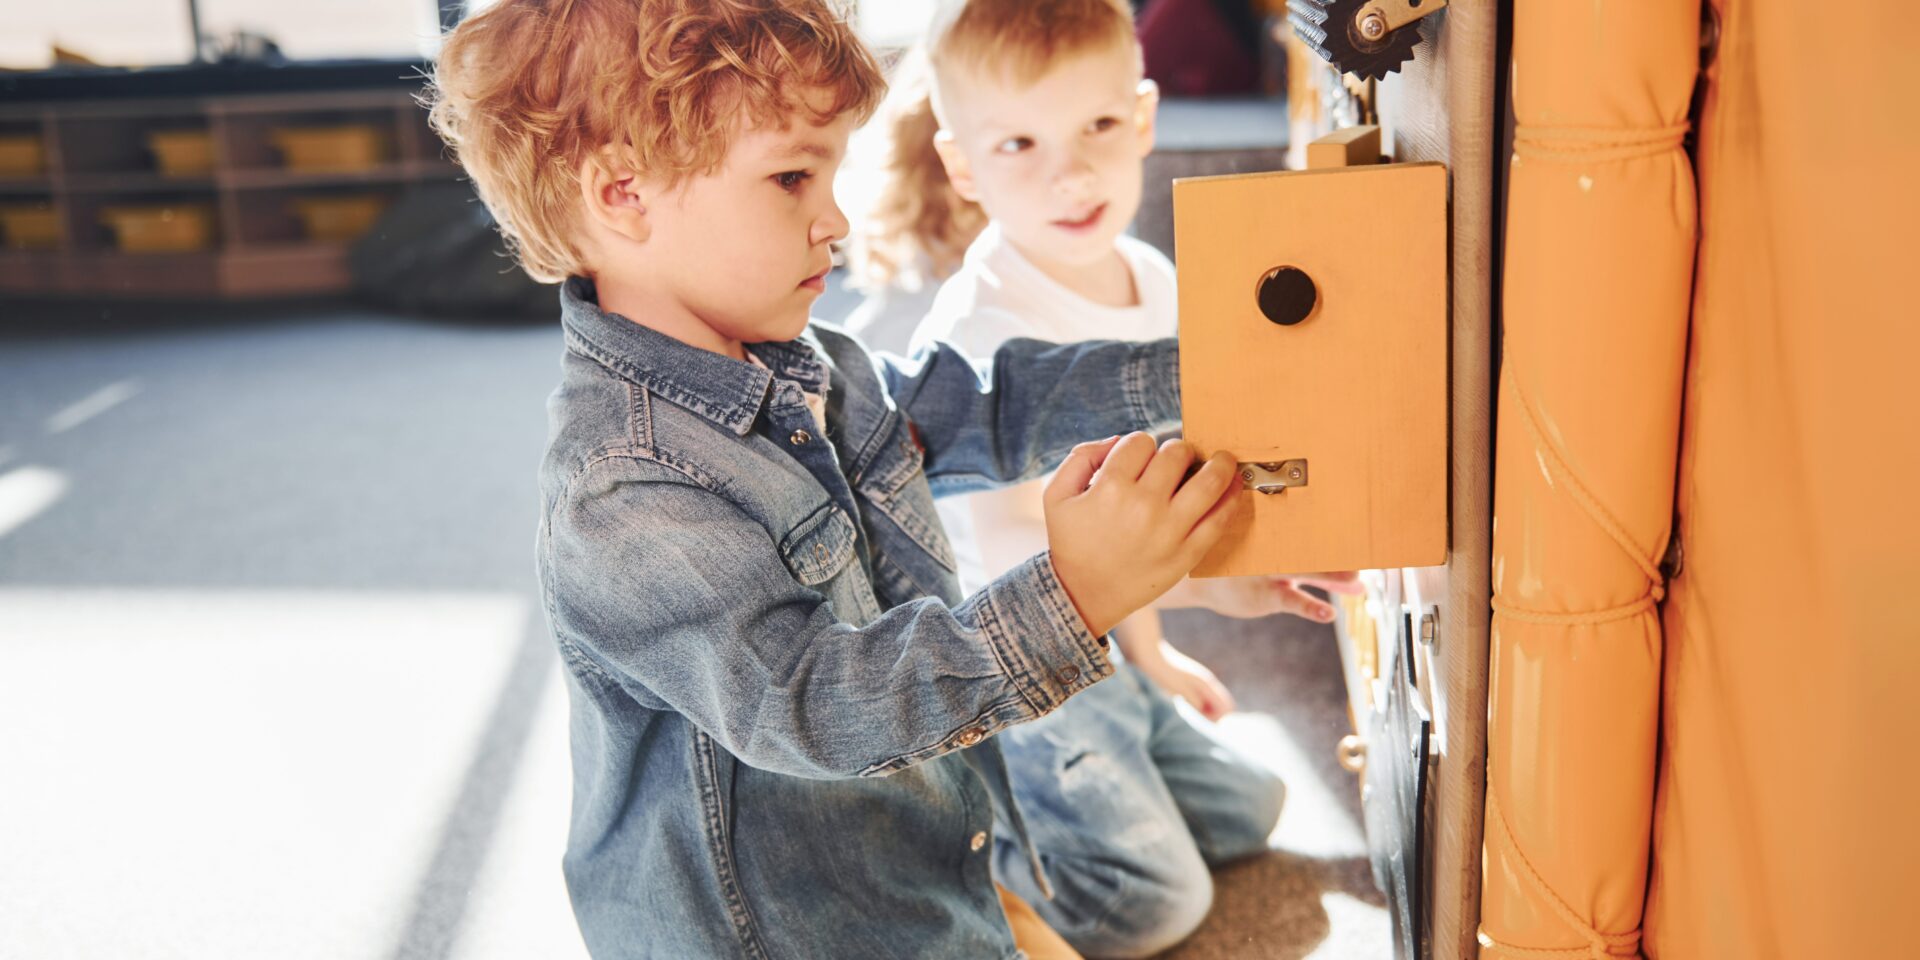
x=1039, y=637
x=1152, y=383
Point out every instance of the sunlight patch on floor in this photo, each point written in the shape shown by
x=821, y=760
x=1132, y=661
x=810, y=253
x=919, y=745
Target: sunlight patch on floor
x=1356, y=926
x=214, y=774
x=92, y=405
x=1314, y=822
x=26, y=492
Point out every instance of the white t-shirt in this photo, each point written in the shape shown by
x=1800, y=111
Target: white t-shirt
x=997, y=295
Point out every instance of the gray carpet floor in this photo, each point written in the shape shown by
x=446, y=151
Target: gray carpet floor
x=1313, y=894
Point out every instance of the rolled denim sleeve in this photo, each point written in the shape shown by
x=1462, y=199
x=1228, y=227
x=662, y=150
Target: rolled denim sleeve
x=678, y=596
x=1013, y=417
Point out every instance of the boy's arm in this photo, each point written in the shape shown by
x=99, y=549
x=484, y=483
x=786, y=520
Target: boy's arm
x=1013, y=416
x=685, y=601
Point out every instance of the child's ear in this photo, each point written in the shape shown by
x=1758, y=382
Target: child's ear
x=614, y=197
x=958, y=173
x=1146, y=113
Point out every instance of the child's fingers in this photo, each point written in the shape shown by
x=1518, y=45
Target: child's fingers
x=1077, y=470
x=1214, y=523
x=1219, y=701
x=1128, y=458
x=1302, y=604
x=1203, y=490
x=1168, y=465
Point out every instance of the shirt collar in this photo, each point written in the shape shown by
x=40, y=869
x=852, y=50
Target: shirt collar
x=726, y=391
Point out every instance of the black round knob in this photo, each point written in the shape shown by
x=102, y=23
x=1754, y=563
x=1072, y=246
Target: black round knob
x=1286, y=295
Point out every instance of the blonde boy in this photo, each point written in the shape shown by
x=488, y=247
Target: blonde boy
x=783, y=711
x=1044, y=121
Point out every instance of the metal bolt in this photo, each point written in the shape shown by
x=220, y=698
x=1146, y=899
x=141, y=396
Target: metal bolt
x=1352, y=752
x=1373, y=26
x=1293, y=474
x=1429, y=628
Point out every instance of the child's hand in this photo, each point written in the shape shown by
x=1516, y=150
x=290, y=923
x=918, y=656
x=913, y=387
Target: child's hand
x=1123, y=527
x=1178, y=675
x=1246, y=598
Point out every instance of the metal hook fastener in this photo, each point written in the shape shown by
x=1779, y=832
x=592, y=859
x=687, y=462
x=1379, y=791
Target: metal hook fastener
x=1275, y=476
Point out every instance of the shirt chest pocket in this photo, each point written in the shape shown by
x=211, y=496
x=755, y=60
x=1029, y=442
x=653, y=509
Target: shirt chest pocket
x=820, y=546
x=894, y=482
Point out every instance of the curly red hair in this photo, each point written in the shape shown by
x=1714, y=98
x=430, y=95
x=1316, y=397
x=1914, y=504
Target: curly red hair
x=528, y=92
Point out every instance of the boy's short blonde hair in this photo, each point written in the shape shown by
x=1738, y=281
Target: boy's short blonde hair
x=529, y=91
x=1021, y=39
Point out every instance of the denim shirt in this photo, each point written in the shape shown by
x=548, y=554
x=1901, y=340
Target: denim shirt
x=782, y=710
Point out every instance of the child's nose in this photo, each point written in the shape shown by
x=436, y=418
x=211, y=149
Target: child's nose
x=1075, y=175
x=832, y=225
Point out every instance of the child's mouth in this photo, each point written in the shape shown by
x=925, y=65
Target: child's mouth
x=1083, y=223
x=817, y=283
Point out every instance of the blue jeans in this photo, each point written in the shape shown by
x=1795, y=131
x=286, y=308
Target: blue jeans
x=1129, y=800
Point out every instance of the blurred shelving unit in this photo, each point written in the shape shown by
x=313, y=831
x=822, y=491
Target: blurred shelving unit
x=219, y=156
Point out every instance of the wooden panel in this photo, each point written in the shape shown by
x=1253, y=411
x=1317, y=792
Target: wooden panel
x=29, y=271
x=1348, y=147
x=1441, y=107
x=1358, y=389
x=136, y=274
x=295, y=269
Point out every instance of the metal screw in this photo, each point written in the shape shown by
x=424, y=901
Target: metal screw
x=1352, y=753
x=1293, y=474
x=1373, y=26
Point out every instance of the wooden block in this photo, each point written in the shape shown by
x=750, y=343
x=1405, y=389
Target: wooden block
x=1358, y=389
x=1347, y=147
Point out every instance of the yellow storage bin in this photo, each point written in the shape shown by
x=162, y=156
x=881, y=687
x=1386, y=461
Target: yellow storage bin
x=348, y=146
x=182, y=153
x=30, y=227
x=160, y=228
x=22, y=155
x=338, y=219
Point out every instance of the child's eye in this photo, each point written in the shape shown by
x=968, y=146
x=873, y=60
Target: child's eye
x=791, y=180
x=1014, y=145
x=1103, y=124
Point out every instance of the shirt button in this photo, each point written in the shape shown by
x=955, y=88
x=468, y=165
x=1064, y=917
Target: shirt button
x=820, y=552
x=799, y=437
x=979, y=840
x=1067, y=674
x=971, y=736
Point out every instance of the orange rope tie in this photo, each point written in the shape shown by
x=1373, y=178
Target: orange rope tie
x=1600, y=946
x=1592, y=144
x=1624, y=611
x=1613, y=528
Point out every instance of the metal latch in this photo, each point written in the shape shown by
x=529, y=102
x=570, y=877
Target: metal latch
x=1274, y=476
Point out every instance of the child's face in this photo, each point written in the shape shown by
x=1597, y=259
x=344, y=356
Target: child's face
x=1055, y=163
x=743, y=251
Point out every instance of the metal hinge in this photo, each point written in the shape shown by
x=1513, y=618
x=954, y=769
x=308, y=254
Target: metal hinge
x=1273, y=476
